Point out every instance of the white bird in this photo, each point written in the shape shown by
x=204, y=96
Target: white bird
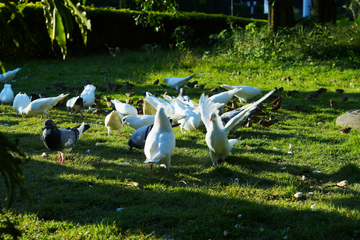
x=21, y=101
x=192, y=117
x=113, y=121
x=123, y=108
x=42, y=105
x=151, y=103
x=137, y=122
x=245, y=93
x=216, y=135
x=6, y=77
x=160, y=143
x=176, y=82
x=75, y=105
x=7, y=95
x=88, y=95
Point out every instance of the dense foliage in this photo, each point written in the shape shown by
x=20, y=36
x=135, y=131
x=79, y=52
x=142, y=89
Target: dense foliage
x=117, y=28
x=305, y=42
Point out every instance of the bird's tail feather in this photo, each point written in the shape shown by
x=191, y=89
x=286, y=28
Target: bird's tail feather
x=83, y=127
x=251, y=106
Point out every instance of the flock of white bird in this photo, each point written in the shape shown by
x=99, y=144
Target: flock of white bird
x=159, y=143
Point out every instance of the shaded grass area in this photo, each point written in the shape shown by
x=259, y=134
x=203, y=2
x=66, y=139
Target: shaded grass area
x=91, y=196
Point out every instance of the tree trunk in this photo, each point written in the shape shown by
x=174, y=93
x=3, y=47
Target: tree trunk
x=325, y=10
x=281, y=14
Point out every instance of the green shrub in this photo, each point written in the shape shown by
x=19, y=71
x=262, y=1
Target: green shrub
x=114, y=27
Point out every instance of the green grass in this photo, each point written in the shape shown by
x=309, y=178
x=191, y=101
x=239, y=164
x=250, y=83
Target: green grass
x=79, y=199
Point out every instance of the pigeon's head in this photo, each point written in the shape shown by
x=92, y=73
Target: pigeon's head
x=24, y=112
x=124, y=121
x=49, y=124
x=213, y=117
x=194, y=122
x=166, y=80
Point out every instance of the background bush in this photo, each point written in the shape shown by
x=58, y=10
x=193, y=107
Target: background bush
x=111, y=26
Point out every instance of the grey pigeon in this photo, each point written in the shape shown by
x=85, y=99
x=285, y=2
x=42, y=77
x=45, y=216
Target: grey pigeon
x=137, y=139
x=62, y=140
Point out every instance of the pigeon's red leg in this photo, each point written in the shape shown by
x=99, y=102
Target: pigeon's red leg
x=59, y=158
x=62, y=158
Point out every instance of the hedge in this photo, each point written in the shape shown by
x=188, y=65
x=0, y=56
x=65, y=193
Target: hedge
x=114, y=27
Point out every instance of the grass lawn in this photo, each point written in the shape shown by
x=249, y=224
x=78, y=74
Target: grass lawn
x=251, y=195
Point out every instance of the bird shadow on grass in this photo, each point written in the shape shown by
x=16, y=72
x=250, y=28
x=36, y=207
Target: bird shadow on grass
x=153, y=209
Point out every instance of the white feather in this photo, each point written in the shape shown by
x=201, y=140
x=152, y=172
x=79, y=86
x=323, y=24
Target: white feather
x=245, y=93
x=7, y=95
x=42, y=105
x=157, y=103
x=216, y=135
x=88, y=95
x=6, y=77
x=20, y=102
x=123, y=108
x=137, y=122
x=160, y=143
x=176, y=82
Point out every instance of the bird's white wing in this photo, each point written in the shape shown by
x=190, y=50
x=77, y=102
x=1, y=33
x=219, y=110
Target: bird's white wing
x=168, y=98
x=70, y=103
x=247, y=111
x=123, y=108
x=246, y=92
x=158, y=102
x=207, y=107
x=224, y=97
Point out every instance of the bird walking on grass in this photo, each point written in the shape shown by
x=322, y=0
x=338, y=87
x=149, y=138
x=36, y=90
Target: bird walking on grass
x=176, y=82
x=345, y=130
x=216, y=134
x=42, y=105
x=160, y=143
x=62, y=140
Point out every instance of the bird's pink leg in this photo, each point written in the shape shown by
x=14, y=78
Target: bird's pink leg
x=59, y=158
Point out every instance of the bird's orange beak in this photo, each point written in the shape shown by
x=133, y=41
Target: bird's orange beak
x=210, y=119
